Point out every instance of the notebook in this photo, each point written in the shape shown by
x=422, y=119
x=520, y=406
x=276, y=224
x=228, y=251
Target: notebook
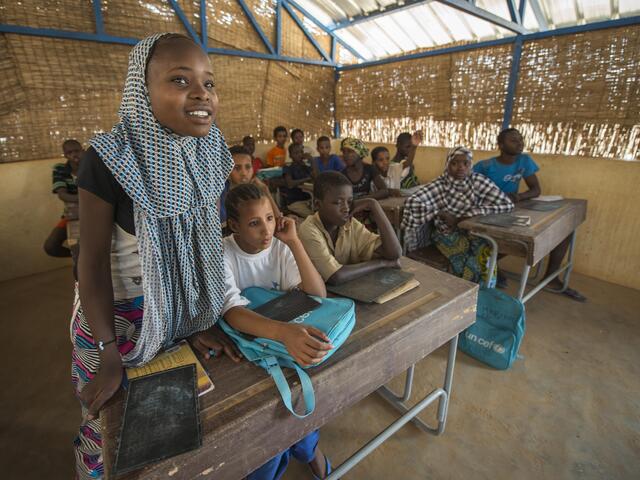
x=540, y=206
x=376, y=286
x=505, y=220
x=161, y=419
x=288, y=307
x=177, y=356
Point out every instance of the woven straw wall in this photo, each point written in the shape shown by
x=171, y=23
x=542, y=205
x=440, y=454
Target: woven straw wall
x=580, y=94
x=454, y=98
x=56, y=89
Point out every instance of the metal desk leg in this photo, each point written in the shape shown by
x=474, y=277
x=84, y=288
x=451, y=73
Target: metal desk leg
x=524, y=276
x=408, y=414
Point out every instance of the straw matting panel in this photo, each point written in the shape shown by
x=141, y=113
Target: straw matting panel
x=298, y=96
x=468, y=86
x=239, y=84
x=320, y=36
x=344, y=56
x=228, y=27
x=264, y=11
x=13, y=96
x=137, y=19
x=294, y=41
x=38, y=130
x=74, y=15
x=590, y=77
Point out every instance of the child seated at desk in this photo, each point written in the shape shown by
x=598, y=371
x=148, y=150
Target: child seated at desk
x=265, y=251
x=249, y=145
x=277, y=155
x=340, y=246
x=381, y=161
x=295, y=174
x=457, y=194
x=506, y=170
x=241, y=174
x=297, y=138
x=360, y=174
x=327, y=161
x=406, y=147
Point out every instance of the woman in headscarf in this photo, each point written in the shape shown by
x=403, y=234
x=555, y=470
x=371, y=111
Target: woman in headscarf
x=151, y=267
x=453, y=196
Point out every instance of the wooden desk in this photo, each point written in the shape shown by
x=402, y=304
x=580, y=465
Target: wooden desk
x=394, y=207
x=244, y=422
x=533, y=243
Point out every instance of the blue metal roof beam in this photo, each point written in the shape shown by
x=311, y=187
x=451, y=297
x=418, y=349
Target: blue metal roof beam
x=97, y=15
x=621, y=22
x=514, y=12
x=256, y=26
x=482, y=14
x=306, y=32
x=204, y=30
x=185, y=21
x=376, y=13
x=324, y=28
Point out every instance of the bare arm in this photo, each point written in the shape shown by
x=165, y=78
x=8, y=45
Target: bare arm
x=390, y=248
x=65, y=196
x=96, y=295
x=534, y=189
x=356, y=270
x=381, y=188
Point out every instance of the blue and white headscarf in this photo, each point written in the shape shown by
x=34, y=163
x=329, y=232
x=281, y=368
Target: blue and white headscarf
x=175, y=183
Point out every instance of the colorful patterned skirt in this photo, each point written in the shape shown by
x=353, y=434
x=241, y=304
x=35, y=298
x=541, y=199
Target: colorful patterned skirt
x=85, y=363
x=468, y=256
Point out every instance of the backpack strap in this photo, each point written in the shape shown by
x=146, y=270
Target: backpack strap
x=272, y=366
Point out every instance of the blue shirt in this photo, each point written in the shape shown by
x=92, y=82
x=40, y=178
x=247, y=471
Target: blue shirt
x=334, y=164
x=297, y=172
x=507, y=177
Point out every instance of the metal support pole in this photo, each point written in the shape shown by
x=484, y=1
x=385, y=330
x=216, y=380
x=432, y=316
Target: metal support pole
x=185, y=21
x=513, y=82
x=97, y=14
x=204, y=31
x=336, y=122
x=278, y=27
x=523, y=281
x=409, y=414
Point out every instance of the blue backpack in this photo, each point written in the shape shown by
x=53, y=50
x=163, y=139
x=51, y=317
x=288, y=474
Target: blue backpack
x=496, y=336
x=336, y=317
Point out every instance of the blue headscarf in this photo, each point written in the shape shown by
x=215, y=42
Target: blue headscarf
x=175, y=183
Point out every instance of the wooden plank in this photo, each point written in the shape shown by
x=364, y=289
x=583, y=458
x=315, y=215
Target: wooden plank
x=393, y=207
x=546, y=231
x=244, y=422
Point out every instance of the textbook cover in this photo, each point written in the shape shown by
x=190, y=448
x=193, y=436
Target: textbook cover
x=178, y=356
x=379, y=286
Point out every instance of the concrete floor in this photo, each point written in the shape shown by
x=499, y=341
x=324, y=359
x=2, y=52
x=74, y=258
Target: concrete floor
x=569, y=409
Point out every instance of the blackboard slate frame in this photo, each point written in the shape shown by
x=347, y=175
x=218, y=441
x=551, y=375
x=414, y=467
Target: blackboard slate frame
x=186, y=378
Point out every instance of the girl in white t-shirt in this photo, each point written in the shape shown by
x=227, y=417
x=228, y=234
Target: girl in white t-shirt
x=265, y=251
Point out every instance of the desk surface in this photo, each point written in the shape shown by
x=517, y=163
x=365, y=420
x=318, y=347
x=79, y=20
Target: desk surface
x=546, y=231
x=243, y=420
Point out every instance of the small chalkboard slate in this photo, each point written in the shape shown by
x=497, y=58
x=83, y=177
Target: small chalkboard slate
x=372, y=286
x=540, y=206
x=504, y=220
x=161, y=418
x=288, y=306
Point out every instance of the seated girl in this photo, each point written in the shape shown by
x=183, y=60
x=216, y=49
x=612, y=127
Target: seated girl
x=453, y=196
x=254, y=258
x=360, y=174
x=381, y=162
x=243, y=172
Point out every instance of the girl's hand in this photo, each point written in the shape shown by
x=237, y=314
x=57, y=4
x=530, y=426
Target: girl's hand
x=416, y=138
x=449, y=219
x=363, y=205
x=303, y=344
x=104, y=384
x=515, y=197
x=286, y=230
x=218, y=341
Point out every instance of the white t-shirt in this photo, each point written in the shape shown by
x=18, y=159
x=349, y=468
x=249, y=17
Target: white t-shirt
x=274, y=268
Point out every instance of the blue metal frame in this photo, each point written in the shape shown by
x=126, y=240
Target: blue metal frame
x=256, y=26
x=306, y=32
x=279, y=27
x=376, y=13
x=204, y=29
x=324, y=28
x=514, y=12
x=336, y=123
x=536, y=9
x=97, y=15
x=522, y=9
x=185, y=21
x=513, y=82
x=482, y=14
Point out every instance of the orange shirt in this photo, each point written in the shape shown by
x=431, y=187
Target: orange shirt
x=276, y=157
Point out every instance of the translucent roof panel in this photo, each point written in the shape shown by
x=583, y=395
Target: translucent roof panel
x=382, y=28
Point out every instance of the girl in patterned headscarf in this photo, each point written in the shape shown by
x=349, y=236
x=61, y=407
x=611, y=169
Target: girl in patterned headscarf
x=151, y=268
x=360, y=174
x=456, y=194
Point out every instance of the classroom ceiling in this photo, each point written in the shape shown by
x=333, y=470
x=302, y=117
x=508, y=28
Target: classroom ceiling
x=383, y=28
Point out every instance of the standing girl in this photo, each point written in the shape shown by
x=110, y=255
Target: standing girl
x=151, y=267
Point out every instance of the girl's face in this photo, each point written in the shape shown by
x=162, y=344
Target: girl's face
x=181, y=90
x=242, y=169
x=382, y=162
x=459, y=166
x=255, y=226
x=350, y=156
